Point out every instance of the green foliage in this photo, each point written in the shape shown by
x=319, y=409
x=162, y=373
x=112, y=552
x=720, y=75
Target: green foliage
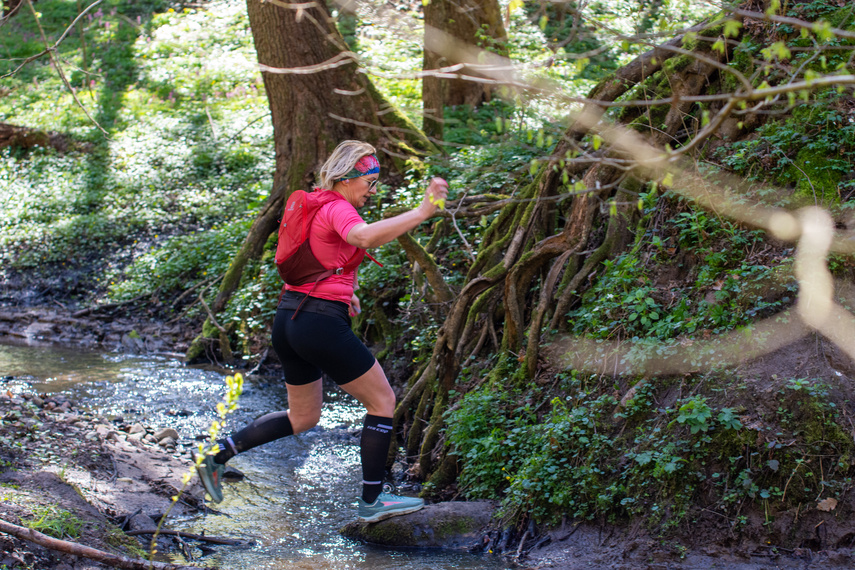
x=484, y=430
x=720, y=290
x=812, y=152
x=54, y=521
x=180, y=261
x=250, y=310
x=172, y=165
x=568, y=461
x=575, y=452
x=695, y=413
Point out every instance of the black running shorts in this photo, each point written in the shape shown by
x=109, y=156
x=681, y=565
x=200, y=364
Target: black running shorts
x=319, y=340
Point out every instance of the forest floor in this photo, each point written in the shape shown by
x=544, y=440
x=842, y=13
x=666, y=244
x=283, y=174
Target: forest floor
x=821, y=535
x=72, y=471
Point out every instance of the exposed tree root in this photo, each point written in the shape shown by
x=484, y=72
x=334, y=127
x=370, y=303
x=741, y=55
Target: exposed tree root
x=417, y=254
x=522, y=250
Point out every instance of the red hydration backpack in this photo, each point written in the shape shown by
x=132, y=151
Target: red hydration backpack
x=295, y=261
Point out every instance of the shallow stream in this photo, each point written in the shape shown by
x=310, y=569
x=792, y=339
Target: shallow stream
x=298, y=491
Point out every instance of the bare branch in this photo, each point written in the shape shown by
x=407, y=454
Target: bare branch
x=343, y=58
x=795, y=22
x=717, y=64
x=55, y=45
x=59, y=71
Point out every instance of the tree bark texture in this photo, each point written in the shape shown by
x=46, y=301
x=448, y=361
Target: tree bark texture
x=474, y=22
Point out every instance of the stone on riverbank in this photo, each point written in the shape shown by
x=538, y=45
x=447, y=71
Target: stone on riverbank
x=453, y=525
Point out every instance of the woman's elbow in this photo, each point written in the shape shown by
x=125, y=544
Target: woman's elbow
x=360, y=239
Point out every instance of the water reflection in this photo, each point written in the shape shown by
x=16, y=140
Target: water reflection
x=298, y=491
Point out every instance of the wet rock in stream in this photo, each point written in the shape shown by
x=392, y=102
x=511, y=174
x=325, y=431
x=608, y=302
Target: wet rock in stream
x=452, y=525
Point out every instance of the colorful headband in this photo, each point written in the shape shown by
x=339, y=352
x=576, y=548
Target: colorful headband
x=363, y=167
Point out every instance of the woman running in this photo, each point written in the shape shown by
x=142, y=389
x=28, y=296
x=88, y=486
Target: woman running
x=318, y=339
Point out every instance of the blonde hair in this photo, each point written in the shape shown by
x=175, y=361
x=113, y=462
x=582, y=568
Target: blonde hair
x=342, y=160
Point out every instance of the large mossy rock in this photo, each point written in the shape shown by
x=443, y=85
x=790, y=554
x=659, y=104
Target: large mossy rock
x=454, y=525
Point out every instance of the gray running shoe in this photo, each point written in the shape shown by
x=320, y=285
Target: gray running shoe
x=211, y=476
x=387, y=506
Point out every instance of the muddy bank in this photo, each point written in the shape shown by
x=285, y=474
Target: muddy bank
x=80, y=478
x=587, y=545
x=107, y=328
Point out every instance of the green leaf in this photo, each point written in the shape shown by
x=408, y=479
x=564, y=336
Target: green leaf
x=731, y=28
x=777, y=50
x=644, y=457
x=774, y=6
x=822, y=29
x=811, y=76
x=596, y=141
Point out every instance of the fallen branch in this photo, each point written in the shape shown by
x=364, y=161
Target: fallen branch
x=105, y=307
x=179, y=534
x=210, y=314
x=75, y=549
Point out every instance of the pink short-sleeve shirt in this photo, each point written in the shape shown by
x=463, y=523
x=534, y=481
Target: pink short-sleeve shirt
x=327, y=238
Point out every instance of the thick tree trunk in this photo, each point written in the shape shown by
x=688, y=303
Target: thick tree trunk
x=317, y=99
x=474, y=22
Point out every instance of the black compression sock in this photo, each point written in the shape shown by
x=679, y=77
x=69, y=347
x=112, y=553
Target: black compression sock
x=265, y=429
x=376, y=437
x=226, y=452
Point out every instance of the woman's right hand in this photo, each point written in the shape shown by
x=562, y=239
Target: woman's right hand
x=435, y=195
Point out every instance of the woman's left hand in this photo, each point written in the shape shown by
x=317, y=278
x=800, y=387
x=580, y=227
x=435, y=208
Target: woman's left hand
x=355, y=307
x=435, y=195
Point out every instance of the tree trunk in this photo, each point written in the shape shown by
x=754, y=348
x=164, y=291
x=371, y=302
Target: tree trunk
x=473, y=22
x=317, y=99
